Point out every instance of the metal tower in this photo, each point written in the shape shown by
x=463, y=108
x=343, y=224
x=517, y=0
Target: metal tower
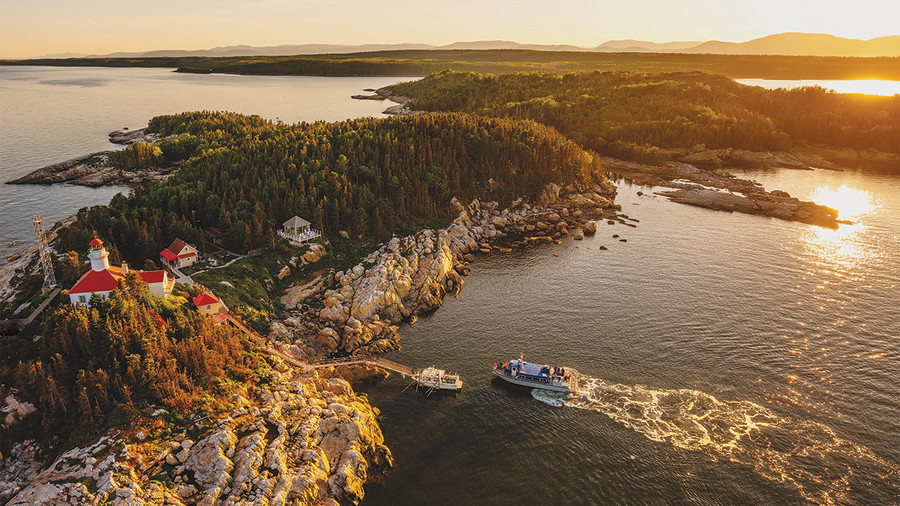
x=44, y=249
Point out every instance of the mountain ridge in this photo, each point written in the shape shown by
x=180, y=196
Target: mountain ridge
x=790, y=43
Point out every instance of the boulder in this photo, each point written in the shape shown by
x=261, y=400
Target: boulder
x=328, y=338
x=313, y=254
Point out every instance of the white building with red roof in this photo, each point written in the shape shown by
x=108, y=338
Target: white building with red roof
x=179, y=254
x=207, y=303
x=102, y=279
x=210, y=305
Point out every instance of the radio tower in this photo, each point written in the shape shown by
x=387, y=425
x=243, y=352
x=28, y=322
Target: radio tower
x=44, y=248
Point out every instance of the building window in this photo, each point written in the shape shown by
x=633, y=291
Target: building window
x=82, y=299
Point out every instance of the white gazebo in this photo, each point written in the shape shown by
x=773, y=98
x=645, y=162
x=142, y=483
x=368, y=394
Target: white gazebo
x=297, y=231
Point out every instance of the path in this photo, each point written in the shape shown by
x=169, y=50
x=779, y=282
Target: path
x=233, y=260
x=43, y=305
x=275, y=350
x=262, y=341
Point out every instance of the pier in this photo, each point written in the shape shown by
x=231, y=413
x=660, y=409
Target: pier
x=383, y=363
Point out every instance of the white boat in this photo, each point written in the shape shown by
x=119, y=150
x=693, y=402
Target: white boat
x=547, y=377
x=438, y=379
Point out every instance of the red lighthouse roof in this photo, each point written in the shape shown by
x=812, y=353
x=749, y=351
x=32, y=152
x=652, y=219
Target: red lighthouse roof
x=96, y=241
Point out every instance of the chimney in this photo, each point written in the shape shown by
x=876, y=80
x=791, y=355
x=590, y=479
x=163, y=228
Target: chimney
x=124, y=268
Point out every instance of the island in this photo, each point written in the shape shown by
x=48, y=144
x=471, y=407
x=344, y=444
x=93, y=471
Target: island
x=291, y=246
x=151, y=398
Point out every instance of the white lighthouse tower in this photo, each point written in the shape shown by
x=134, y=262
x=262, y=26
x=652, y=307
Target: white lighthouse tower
x=98, y=255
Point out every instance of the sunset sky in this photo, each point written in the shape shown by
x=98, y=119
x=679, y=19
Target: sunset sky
x=29, y=29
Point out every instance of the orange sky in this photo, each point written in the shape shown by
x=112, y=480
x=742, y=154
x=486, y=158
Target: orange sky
x=29, y=29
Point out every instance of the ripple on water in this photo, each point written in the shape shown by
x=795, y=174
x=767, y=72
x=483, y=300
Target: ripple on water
x=808, y=456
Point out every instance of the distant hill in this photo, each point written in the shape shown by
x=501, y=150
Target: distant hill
x=295, y=49
x=642, y=46
x=803, y=44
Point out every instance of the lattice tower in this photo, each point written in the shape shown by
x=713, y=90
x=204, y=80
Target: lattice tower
x=44, y=249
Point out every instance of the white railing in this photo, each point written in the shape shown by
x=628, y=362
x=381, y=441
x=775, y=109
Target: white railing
x=302, y=237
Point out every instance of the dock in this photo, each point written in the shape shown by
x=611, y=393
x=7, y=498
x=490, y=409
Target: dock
x=383, y=363
x=431, y=378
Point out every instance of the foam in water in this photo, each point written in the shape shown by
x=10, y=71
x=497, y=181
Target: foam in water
x=805, y=455
x=548, y=397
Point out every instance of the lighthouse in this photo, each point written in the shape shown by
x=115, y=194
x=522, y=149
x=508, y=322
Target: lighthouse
x=102, y=279
x=98, y=255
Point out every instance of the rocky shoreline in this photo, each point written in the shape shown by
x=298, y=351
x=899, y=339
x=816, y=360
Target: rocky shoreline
x=713, y=187
x=721, y=190
x=96, y=169
x=305, y=437
x=401, y=109
x=408, y=276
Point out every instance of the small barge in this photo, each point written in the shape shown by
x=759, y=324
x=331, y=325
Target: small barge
x=438, y=379
x=546, y=377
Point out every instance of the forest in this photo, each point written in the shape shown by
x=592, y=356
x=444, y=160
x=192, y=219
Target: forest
x=371, y=177
x=421, y=62
x=638, y=116
x=97, y=366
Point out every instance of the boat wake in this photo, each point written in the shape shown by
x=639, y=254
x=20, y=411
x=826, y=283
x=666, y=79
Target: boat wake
x=805, y=455
x=551, y=398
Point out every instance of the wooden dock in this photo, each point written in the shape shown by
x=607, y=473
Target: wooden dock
x=274, y=349
x=383, y=363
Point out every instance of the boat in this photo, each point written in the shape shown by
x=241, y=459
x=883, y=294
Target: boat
x=546, y=377
x=438, y=379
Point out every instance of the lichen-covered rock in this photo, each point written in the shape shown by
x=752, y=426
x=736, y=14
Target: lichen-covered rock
x=309, y=440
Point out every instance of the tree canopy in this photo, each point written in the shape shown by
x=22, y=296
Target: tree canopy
x=246, y=175
x=637, y=116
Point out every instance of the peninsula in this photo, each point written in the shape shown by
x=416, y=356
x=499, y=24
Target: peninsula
x=407, y=63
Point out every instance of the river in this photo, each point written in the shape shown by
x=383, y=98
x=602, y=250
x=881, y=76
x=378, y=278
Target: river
x=730, y=359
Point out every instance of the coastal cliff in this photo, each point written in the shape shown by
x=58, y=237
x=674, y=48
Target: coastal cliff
x=410, y=275
x=305, y=437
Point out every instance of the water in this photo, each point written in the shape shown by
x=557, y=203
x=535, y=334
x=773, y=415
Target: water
x=730, y=359
x=51, y=114
x=866, y=86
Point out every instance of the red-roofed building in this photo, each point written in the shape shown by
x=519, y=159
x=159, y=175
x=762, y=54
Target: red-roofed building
x=209, y=304
x=102, y=279
x=179, y=254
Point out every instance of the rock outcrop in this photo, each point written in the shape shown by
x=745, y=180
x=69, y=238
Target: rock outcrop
x=409, y=276
x=776, y=204
x=126, y=136
x=723, y=191
x=93, y=171
x=305, y=439
x=96, y=169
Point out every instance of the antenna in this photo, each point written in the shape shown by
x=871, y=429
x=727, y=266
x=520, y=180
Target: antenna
x=44, y=249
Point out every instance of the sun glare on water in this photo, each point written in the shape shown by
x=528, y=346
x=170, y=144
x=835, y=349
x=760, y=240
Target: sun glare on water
x=850, y=203
x=842, y=246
